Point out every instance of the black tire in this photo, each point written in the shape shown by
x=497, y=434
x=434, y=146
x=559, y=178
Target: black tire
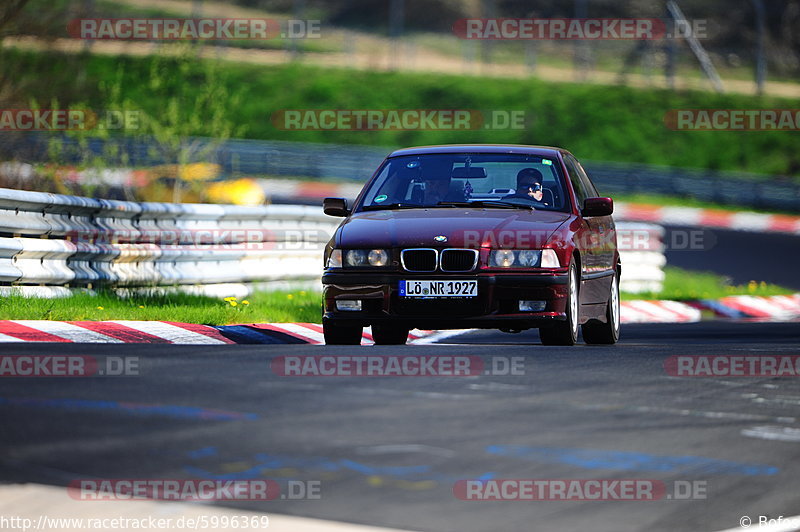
x=565, y=332
x=341, y=334
x=596, y=332
x=389, y=335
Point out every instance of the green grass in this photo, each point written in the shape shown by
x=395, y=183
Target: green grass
x=296, y=306
x=602, y=123
x=261, y=307
x=680, y=284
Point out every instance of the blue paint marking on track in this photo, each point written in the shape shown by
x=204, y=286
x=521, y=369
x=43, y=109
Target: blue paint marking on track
x=205, y=452
x=173, y=411
x=265, y=461
x=243, y=334
x=262, y=462
x=630, y=461
x=247, y=334
x=718, y=307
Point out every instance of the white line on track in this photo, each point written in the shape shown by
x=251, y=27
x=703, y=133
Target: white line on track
x=773, y=433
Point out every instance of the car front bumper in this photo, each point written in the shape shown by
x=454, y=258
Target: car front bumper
x=496, y=305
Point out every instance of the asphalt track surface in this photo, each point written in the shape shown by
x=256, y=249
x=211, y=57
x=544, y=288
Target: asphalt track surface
x=387, y=451
x=743, y=256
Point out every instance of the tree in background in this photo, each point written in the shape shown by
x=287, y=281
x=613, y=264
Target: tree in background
x=179, y=138
x=196, y=103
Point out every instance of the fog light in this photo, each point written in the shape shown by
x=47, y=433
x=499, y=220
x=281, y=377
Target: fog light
x=532, y=306
x=348, y=304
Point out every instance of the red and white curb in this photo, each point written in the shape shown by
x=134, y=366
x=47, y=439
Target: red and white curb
x=694, y=216
x=161, y=332
x=312, y=333
x=640, y=311
x=772, y=308
x=765, y=308
x=110, y=332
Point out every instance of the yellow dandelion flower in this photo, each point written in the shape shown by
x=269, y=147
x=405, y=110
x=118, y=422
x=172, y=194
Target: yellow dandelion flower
x=100, y=308
x=233, y=303
x=141, y=306
x=245, y=302
x=289, y=296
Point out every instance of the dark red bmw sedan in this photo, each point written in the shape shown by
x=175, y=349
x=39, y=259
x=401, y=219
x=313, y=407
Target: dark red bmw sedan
x=474, y=236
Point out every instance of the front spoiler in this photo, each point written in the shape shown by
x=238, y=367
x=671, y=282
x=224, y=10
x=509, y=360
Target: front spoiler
x=382, y=304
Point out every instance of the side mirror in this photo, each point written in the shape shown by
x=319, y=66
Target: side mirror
x=335, y=207
x=597, y=207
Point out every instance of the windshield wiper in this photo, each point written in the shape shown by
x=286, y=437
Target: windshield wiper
x=488, y=203
x=392, y=206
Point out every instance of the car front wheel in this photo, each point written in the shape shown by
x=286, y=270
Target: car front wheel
x=565, y=332
x=596, y=332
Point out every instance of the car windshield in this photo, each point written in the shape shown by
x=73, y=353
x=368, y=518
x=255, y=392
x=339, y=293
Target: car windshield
x=485, y=180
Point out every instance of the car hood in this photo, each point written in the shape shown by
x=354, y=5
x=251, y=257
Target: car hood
x=462, y=228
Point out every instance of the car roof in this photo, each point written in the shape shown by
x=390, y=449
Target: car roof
x=542, y=151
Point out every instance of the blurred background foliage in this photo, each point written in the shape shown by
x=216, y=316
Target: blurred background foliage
x=208, y=91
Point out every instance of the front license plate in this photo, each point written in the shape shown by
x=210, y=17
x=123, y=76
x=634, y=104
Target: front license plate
x=434, y=289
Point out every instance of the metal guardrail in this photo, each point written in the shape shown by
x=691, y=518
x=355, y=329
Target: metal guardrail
x=642, y=266
x=356, y=163
x=56, y=240
x=50, y=239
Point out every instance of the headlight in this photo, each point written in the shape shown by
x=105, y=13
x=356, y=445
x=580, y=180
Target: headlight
x=355, y=257
x=550, y=259
x=378, y=257
x=504, y=258
x=335, y=260
x=511, y=258
x=528, y=258
x=366, y=257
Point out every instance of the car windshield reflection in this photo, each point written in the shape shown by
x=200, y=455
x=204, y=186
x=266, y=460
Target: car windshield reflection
x=516, y=181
